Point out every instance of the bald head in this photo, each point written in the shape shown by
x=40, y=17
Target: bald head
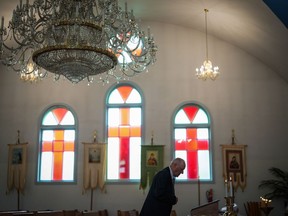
x=177, y=166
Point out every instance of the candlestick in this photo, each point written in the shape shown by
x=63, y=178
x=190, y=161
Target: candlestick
x=229, y=207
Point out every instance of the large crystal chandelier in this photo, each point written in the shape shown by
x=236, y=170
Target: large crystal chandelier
x=77, y=39
x=207, y=71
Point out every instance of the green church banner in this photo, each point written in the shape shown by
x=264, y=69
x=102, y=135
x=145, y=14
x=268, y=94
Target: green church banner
x=151, y=163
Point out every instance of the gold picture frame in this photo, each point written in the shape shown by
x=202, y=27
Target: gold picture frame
x=234, y=165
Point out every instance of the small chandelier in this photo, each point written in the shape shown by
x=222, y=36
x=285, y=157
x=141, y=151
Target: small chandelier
x=207, y=71
x=76, y=39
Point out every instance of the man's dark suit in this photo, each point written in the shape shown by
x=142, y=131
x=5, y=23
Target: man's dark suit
x=161, y=196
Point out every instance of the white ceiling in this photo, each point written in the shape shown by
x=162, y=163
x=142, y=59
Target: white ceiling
x=248, y=24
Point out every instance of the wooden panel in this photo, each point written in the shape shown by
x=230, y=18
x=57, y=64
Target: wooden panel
x=209, y=209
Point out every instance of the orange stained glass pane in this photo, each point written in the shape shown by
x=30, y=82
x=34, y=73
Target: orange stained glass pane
x=191, y=112
x=46, y=146
x=113, y=132
x=58, y=146
x=58, y=134
x=135, y=131
x=125, y=116
x=125, y=91
x=69, y=146
x=191, y=133
x=58, y=166
x=59, y=114
x=124, y=131
x=191, y=145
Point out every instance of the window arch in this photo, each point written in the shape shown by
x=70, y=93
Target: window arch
x=192, y=141
x=124, y=117
x=57, y=141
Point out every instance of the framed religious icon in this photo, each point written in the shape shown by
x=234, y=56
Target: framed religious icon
x=234, y=164
x=94, y=154
x=151, y=163
x=152, y=158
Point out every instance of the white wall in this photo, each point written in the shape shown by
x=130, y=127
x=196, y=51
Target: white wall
x=247, y=97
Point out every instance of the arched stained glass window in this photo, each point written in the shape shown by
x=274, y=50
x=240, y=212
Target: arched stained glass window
x=124, y=132
x=57, y=145
x=192, y=141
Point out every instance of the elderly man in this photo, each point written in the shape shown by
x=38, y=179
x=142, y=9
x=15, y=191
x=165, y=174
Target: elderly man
x=161, y=196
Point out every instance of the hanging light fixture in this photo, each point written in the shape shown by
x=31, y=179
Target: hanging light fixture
x=207, y=71
x=76, y=39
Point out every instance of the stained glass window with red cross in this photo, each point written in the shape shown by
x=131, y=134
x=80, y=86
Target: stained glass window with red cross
x=124, y=132
x=192, y=141
x=57, y=146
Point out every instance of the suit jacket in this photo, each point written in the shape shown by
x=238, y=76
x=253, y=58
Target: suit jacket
x=161, y=196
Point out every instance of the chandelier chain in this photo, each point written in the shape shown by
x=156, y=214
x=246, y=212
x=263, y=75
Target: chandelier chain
x=207, y=71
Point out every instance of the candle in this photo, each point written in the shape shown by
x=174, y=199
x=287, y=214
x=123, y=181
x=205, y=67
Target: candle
x=231, y=187
x=226, y=188
x=264, y=202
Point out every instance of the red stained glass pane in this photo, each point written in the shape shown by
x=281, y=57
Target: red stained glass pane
x=113, y=132
x=124, y=158
x=180, y=145
x=125, y=92
x=46, y=146
x=58, y=167
x=125, y=120
x=192, y=165
x=191, y=112
x=203, y=145
x=59, y=114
